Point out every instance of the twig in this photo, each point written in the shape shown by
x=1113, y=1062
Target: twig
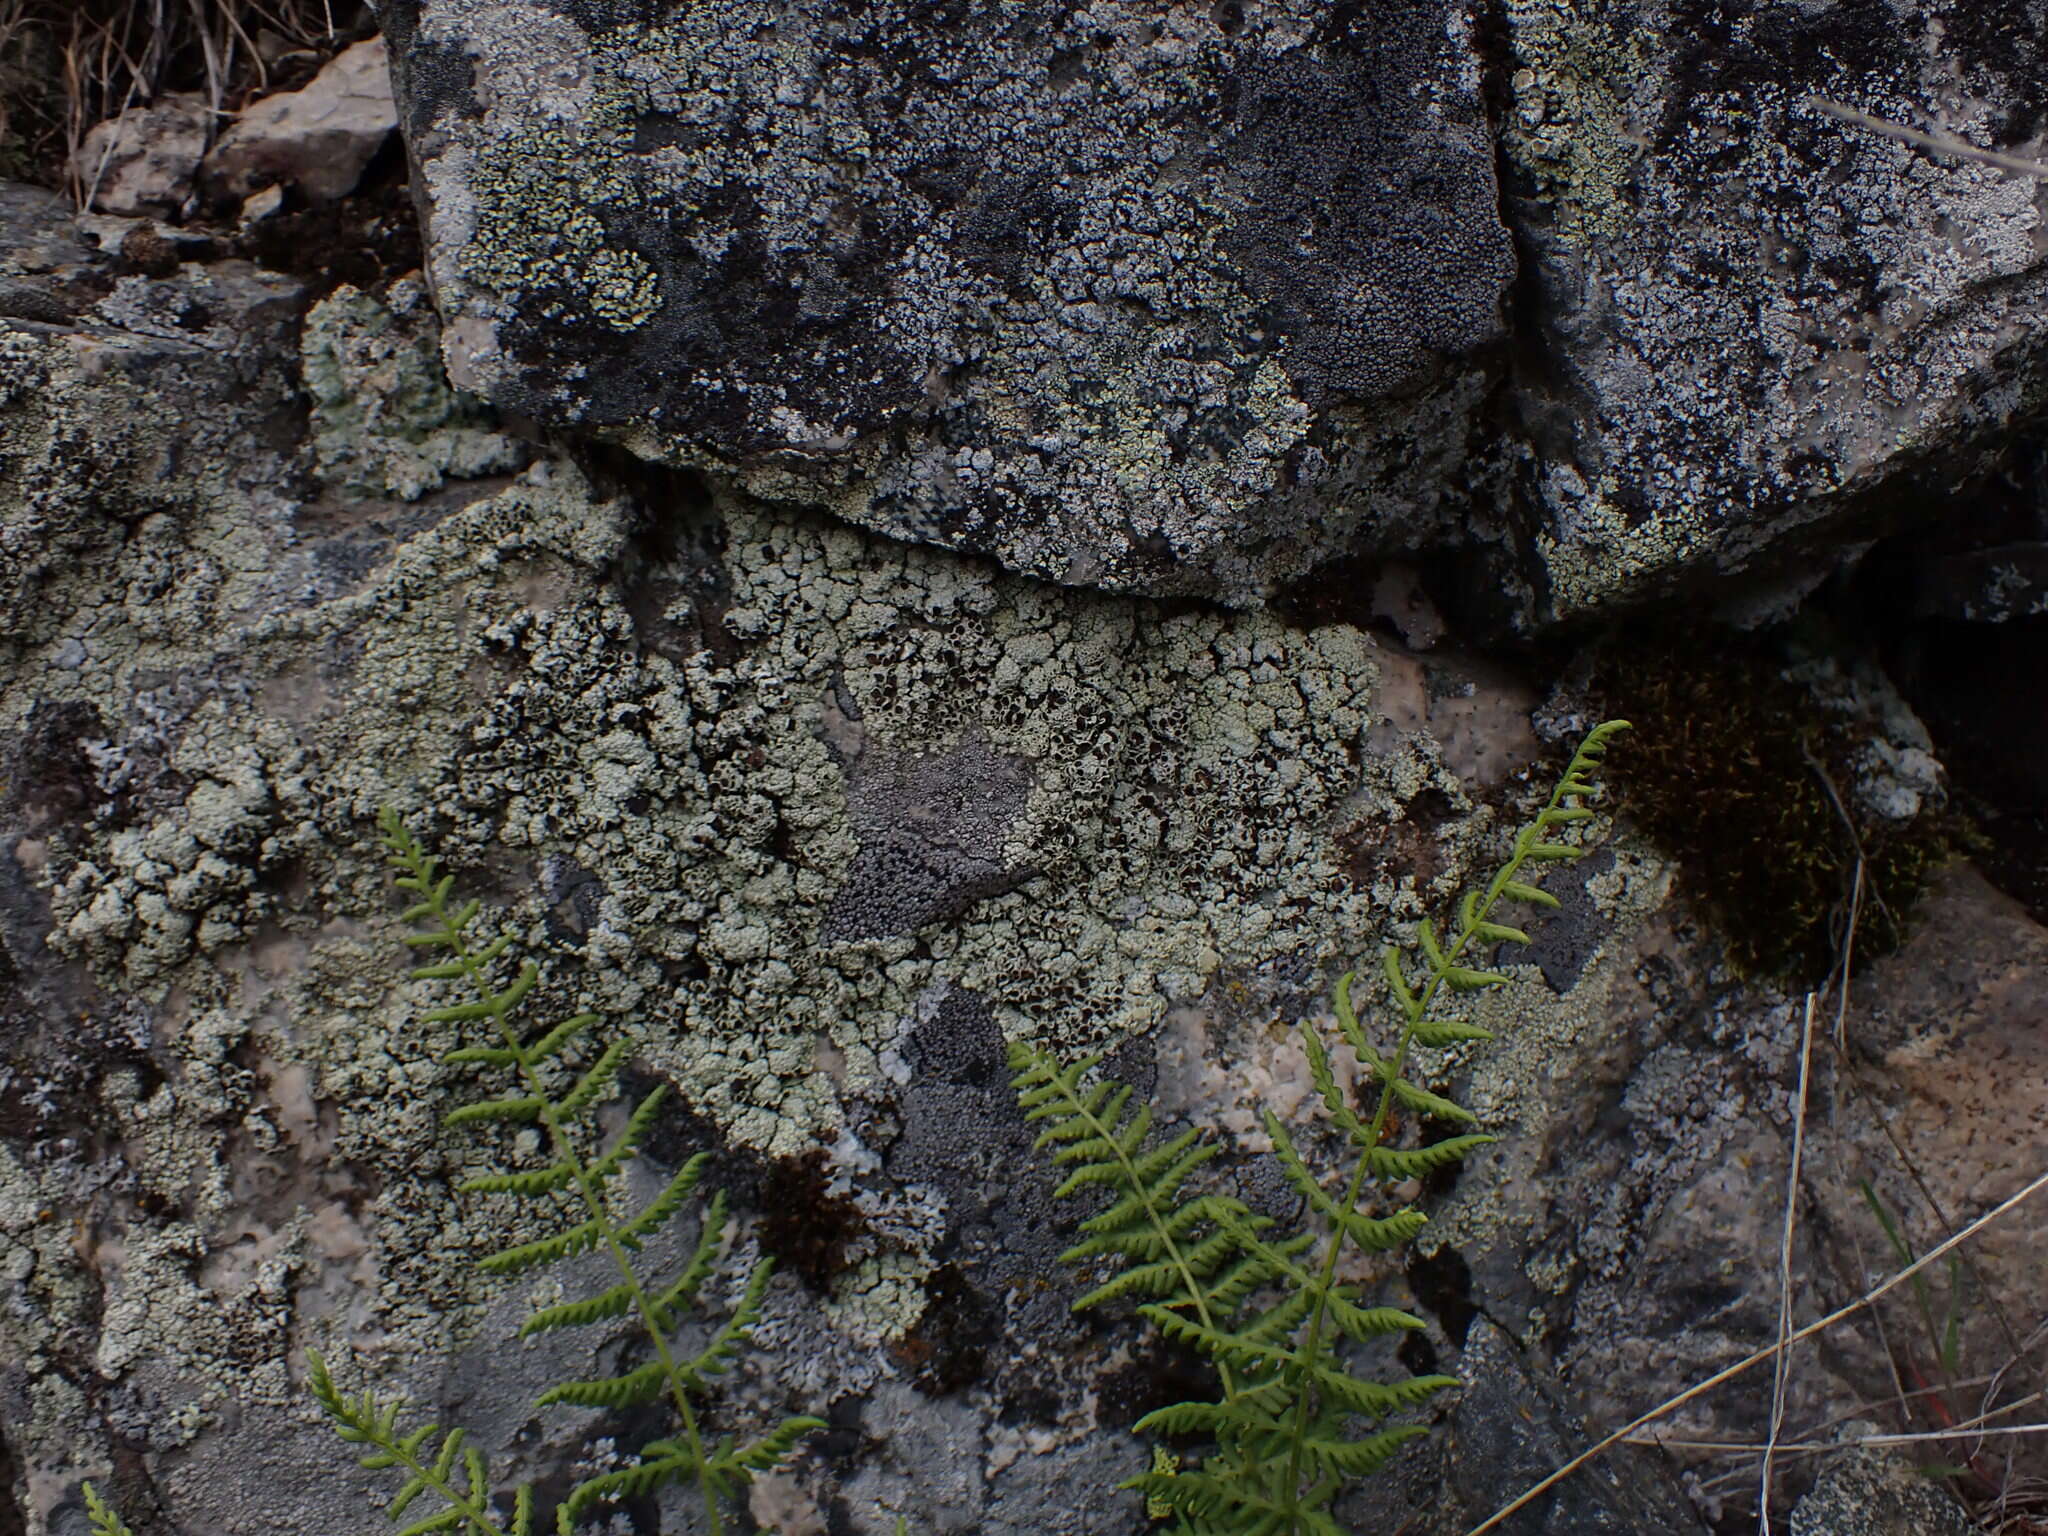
x=1935, y=143
x=1750, y=1448
x=2033, y=1187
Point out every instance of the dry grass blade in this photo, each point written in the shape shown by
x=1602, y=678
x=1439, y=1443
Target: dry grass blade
x=1936, y=143
x=1941, y=1250
x=1781, y=1368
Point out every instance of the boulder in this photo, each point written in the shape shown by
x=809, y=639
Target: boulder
x=1194, y=299
x=1171, y=301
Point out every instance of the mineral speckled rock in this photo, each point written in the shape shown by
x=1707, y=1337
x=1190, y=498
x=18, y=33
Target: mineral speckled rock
x=1166, y=299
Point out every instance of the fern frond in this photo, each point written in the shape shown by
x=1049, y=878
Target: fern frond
x=456, y=1472
x=1265, y=1307
x=637, y=1126
x=715, y=1359
x=636, y=1481
x=635, y=1386
x=773, y=1448
x=565, y=1244
x=664, y=1205
x=534, y=1181
x=101, y=1516
x=523, y=1110
x=596, y=1082
x=602, y=1307
x=565, y=1117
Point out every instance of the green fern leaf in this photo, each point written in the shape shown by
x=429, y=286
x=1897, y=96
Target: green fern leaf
x=1515, y=890
x=1264, y=1306
x=580, y=1238
x=1360, y=1458
x=637, y=1126
x=1422, y=1102
x=635, y=1386
x=717, y=1356
x=1397, y=1163
x=557, y=1039
x=1438, y=1032
x=534, y=1181
x=523, y=1110
x=101, y=1516
x=616, y=1302
x=664, y=1205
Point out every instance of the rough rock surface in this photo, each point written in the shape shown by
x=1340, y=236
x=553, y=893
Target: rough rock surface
x=1191, y=297
x=1145, y=298
x=1757, y=318
x=822, y=819
x=1864, y=1492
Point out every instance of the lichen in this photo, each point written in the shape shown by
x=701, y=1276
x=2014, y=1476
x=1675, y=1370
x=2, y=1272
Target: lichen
x=1574, y=127
x=385, y=420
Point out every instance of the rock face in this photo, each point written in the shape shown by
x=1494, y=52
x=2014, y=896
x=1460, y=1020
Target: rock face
x=718, y=707
x=1190, y=298
x=1157, y=301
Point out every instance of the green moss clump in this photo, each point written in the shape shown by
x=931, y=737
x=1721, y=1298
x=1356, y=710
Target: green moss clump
x=1735, y=784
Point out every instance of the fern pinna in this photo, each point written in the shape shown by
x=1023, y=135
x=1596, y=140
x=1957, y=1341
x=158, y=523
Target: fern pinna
x=577, y=1182
x=1265, y=1307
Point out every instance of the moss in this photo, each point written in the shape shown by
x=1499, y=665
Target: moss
x=1749, y=783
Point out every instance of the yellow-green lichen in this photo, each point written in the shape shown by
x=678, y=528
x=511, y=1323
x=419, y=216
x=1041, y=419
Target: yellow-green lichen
x=1575, y=127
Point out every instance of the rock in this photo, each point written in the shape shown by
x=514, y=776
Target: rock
x=317, y=140
x=385, y=422
x=144, y=161
x=1868, y=1492
x=1760, y=319
x=1198, y=301
x=1511, y=1428
x=1170, y=303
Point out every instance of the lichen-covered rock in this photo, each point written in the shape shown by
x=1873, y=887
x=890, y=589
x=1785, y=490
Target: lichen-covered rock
x=1759, y=317
x=820, y=818
x=385, y=420
x=1190, y=298
x=1868, y=1492
x=1156, y=299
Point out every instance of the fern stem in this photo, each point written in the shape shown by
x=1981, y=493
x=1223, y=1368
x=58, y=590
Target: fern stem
x=1135, y=1181
x=1440, y=968
x=566, y=1151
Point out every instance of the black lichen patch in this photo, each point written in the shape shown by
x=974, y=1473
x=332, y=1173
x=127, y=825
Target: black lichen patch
x=948, y=1349
x=1745, y=779
x=806, y=1224
x=1343, y=191
x=1443, y=1284
x=1158, y=1377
